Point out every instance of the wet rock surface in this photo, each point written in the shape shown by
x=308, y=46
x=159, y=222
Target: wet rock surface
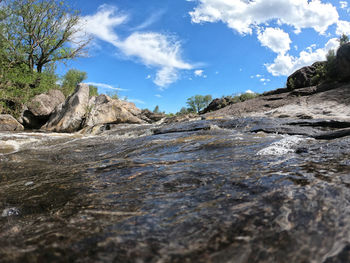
x=204, y=191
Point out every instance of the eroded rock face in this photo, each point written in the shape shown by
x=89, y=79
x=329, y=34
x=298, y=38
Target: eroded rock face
x=103, y=109
x=8, y=123
x=343, y=62
x=39, y=109
x=68, y=116
x=303, y=77
x=150, y=116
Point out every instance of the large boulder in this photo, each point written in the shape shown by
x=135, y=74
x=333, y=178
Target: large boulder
x=343, y=62
x=103, y=110
x=68, y=116
x=217, y=104
x=304, y=77
x=38, y=110
x=8, y=123
x=150, y=116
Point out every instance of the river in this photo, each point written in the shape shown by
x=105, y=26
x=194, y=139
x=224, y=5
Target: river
x=203, y=191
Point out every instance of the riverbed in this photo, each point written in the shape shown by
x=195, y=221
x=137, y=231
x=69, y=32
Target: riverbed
x=203, y=191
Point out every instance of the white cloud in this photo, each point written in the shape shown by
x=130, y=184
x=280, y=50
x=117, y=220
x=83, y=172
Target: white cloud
x=343, y=27
x=249, y=91
x=244, y=15
x=104, y=86
x=158, y=96
x=275, y=39
x=149, y=21
x=136, y=101
x=265, y=80
x=198, y=72
x=102, y=24
x=148, y=76
x=343, y=4
x=286, y=64
x=152, y=49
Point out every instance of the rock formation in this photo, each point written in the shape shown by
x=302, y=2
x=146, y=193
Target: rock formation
x=150, y=116
x=68, y=116
x=8, y=123
x=38, y=110
x=304, y=77
x=103, y=109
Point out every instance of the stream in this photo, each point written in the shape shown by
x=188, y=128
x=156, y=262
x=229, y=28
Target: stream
x=202, y=191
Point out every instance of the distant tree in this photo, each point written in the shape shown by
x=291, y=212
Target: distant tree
x=343, y=39
x=183, y=111
x=198, y=102
x=71, y=79
x=156, y=109
x=37, y=32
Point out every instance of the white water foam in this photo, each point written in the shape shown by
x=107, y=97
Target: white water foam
x=284, y=146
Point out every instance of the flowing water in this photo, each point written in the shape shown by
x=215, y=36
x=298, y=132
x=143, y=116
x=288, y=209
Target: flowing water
x=181, y=193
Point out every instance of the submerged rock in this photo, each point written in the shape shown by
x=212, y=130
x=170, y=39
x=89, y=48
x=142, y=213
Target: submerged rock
x=8, y=123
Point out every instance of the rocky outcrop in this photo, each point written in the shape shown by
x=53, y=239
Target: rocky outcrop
x=150, y=116
x=304, y=77
x=343, y=62
x=328, y=101
x=8, y=123
x=103, y=109
x=68, y=116
x=217, y=104
x=182, y=118
x=38, y=110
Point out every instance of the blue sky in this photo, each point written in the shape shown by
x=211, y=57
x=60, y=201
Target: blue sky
x=161, y=52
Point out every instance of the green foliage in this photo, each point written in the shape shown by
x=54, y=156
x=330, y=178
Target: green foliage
x=184, y=111
x=156, y=109
x=37, y=32
x=93, y=90
x=343, y=39
x=113, y=94
x=320, y=74
x=71, y=79
x=198, y=102
x=331, y=66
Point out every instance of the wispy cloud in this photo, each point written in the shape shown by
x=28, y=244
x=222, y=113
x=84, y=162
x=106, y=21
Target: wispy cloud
x=136, y=101
x=158, y=96
x=160, y=51
x=105, y=86
x=149, y=21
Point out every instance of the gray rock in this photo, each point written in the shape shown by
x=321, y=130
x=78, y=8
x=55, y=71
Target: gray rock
x=150, y=116
x=8, y=123
x=39, y=109
x=68, y=117
x=304, y=77
x=45, y=104
x=103, y=110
